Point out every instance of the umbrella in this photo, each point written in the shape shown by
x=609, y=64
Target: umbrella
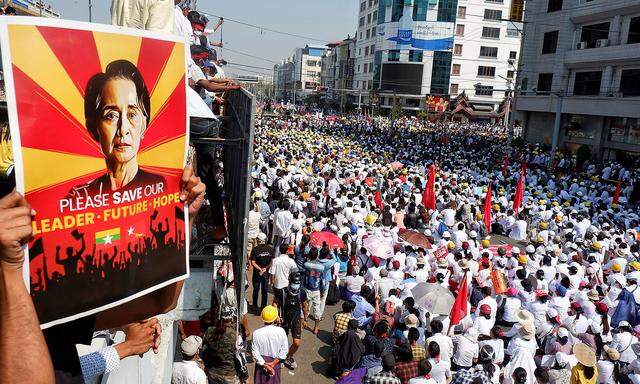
x=378, y=247
x=397, y=165
x=332, y=240
x=434, y=298
x=415, y=238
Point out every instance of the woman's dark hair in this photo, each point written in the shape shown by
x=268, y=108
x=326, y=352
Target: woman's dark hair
x=348, y=306
x=119, y=69
x=589, y=372
x=404, y=353
x=424, y=367
x=433, y=348
x=519, y=376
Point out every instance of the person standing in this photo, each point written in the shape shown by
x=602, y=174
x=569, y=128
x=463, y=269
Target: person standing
x=291, y=302
x=253, y=226
x=187, y=371
x=269, y=347
x=219, y=355
x=280, y=272
x=260, y=260
x=282, y=223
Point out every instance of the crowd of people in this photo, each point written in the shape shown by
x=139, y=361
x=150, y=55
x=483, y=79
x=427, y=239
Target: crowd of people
x=547, y=290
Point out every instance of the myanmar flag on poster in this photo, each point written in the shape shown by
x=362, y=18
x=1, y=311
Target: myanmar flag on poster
x=107, y=237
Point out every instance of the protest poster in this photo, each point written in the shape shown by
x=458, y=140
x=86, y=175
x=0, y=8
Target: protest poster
x=99, y=126
x=440, y=252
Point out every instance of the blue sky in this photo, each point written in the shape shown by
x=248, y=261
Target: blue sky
x=327, y=20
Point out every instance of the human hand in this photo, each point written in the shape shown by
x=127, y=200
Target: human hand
x=140, y=338
x=192, y=190
x=15, y=229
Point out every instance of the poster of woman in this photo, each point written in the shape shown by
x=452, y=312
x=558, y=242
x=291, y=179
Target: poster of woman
x=98, y=120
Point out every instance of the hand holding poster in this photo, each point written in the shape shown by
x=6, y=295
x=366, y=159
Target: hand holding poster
x=98, y=120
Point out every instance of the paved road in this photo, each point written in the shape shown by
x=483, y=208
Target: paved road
x=313, y=353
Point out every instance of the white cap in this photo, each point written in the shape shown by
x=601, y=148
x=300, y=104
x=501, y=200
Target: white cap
x=446, y=234
x=552, y=312
x=191, y=345
x=473, y=234
x=562, y=332
x=262, y=236
x=530, y=249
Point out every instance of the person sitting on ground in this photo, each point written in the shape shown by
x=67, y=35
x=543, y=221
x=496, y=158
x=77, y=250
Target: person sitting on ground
x=341, y=319
x=187, y=370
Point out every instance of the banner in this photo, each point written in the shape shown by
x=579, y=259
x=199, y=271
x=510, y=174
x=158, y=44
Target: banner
x=416, y=35
x=440, y=252
x=99, y=126
x=437, y=103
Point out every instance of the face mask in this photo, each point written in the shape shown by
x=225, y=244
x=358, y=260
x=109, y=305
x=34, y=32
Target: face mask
x=294, y=287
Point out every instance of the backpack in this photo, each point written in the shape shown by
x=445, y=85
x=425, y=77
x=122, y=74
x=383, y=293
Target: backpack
x=333, y=294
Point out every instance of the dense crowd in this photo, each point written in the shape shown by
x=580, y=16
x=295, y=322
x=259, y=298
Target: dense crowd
x=473, y=290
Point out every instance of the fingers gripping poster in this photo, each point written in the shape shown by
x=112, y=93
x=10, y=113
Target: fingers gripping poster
x=98, y=120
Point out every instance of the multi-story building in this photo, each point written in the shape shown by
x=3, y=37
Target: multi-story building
x=413, y=51
x=485, y=52
x=581, y=64
x=307, y=69
x=365, y=44
x=283, y=79
x=31, y=8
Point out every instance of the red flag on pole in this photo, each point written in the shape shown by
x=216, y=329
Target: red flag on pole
x=429, y=194
x=616, y=194
x=487, y=209
x=459, y=309
x=378, y=200
x=517, y=200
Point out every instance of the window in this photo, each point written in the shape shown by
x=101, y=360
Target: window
x=420, y=10
x=460, y=30
x=361, y=22
x=368, y=33
x=544, y=83
x=490, y=32
x=634, y=31
x=462, y=12
x=375, y=16
x=494, y=1
x=486, y=71
x=396, y=9
x=512, y=31
x=366, y=51
x=359, y=51
x=440, y=73
x=369, y=19
x=625, y=130
x=360, y=35
x=366, y=66
x=372, y=49
x=513, y=55
x=370, y=3
x=457, y=49
x=311, y=63
x=554, y=5
x=447, y=10
x=484, y=90
x=363, y=6
x=587, y=83
x=549, y=42
x=455, y=69
x=509, y=74
x=594, y=32
x=415, y=56
x=488, y=52
x=453, y=89
x=394, y=55
x=382, y=12
x=492, y=14
x=630, y=82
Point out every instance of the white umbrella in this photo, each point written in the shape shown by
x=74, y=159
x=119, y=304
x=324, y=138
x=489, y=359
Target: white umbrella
x=434, y=298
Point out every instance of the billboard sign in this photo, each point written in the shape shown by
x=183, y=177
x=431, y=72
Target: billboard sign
x=420, y=35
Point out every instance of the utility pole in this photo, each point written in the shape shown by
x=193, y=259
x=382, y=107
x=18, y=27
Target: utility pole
x=556, y=125
x=90, y=6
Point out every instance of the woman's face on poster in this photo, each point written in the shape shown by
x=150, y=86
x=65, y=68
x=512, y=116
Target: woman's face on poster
x=121, y=121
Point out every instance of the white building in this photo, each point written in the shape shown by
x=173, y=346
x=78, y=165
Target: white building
x=307, y=70
x=365, y=48
x=485, y=52
x=582, y=58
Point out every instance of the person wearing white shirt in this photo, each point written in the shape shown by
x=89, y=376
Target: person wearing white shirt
x=466, y=349
x=269, y=345
x=154, y=15
x=187, y=371
x=440, y=368
x=280, y=270
x=444, y=342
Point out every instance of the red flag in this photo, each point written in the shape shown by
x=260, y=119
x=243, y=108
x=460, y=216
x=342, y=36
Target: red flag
x=459, y=309
x=616, y=194
x=378, y=200
x=505, y=165
x=517, y=200
x=429, y=194
x=487, y=209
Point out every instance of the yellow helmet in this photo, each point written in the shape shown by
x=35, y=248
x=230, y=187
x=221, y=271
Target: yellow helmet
x=558, y=219
x=635, y=265
x=555, y=203
x=539, y=239
x=496, y=207
x=451, y=245
x=587, y=203
x=543, y=225
x=542, y=202
x=522, y=259
x=597, y=246
x=614, y=205
x=566, y=204
x=269, y=314
x=616, y=267
x=485, y=243
x=549, y=195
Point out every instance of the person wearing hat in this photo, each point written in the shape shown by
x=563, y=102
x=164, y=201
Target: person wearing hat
x=269, y=347
x=421, y=274
x=260, y=261
x=586, y=371
x=624, y=338
x=292, y=304
x=484, y=322
x=511, y=304
x=220, y=349
x=609, y=370
x=187, y=370
x=522, y=349
x=560, y=370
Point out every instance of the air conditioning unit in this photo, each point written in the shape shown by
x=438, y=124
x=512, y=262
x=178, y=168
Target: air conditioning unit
x=582, y=45
x=602, y=43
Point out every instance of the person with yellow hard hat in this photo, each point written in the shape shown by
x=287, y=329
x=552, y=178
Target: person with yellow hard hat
x=269, y=348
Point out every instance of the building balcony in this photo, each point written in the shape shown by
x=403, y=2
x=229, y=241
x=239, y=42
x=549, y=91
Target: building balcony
x=603, y=55
x=594, y=10
x=581, y=105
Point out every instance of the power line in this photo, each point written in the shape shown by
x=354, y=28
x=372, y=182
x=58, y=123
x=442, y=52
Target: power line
x=250, y=55
x=249, y=66
x=262, y=28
